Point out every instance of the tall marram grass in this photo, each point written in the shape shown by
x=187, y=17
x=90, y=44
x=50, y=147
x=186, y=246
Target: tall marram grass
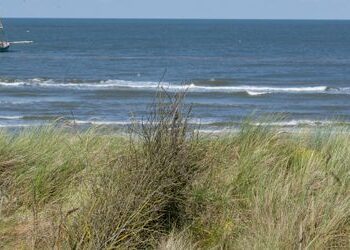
x=139, y=197
x=166, y=187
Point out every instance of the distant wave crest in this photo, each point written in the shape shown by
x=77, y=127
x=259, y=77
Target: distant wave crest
x=208, y=124
x=296, y=123
x=2, y=117
x=151, y=86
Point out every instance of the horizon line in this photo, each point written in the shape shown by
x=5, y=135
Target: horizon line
x=180, y=18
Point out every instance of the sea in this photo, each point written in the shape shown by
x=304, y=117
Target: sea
x=107, y=72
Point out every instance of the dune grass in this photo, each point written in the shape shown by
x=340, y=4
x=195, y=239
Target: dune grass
x=166, y=187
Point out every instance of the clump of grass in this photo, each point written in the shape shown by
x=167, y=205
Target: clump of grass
x=145, y=186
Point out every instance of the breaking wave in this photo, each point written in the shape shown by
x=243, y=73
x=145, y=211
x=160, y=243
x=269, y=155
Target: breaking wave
x=221, y=126
x=151, y=86
x=10, y=117
x=209, y=125
x=296, y=123
x=139, y=121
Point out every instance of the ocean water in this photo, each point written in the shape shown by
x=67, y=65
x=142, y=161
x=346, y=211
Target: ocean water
x=107, y=71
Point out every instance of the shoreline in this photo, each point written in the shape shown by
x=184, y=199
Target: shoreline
x=282, y=125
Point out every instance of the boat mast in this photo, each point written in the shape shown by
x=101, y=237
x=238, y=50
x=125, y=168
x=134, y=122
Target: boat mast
x=2, y=32
x=4, y=43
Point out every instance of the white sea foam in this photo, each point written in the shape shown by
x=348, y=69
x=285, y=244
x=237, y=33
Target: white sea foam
x=290, y=123
x=10, y=117
x=110, y=84
x=144, y=85
x=258, y=90
x=255, y=93
x=129, y=122
x=294, y=123
x=101, y=122
x=209, y=127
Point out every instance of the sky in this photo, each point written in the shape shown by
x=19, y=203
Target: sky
x=211, y=9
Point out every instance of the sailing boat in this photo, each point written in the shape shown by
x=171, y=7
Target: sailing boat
x=4, y=44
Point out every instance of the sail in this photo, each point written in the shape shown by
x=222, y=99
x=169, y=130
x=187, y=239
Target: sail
x=2, y=33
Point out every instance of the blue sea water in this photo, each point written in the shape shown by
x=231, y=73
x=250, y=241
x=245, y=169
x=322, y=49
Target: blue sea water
x=105, y=71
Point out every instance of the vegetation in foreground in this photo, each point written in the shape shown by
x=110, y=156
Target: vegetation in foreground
x=166, y=187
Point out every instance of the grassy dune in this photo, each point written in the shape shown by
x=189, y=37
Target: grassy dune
x=166, y=187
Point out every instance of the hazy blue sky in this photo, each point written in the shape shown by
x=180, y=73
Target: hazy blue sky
x=270, y=9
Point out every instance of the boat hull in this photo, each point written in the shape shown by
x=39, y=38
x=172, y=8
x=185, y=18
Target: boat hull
x=4, y=49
